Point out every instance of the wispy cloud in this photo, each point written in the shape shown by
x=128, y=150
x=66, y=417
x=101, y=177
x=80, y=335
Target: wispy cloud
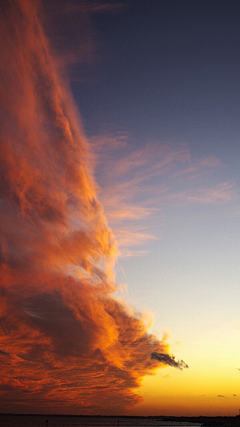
x=139, y=184
x=98, y=7
x=92, y=7
x=219, y=194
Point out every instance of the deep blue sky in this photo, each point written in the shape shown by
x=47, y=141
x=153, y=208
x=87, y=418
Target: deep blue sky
x=166, y=71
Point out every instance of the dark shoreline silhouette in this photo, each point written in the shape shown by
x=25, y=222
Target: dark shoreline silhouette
x=206, y=421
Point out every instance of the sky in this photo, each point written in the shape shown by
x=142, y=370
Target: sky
x=119, y=256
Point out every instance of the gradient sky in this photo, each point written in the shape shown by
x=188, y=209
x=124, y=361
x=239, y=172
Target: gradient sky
x=164, y=90
x=156, y=83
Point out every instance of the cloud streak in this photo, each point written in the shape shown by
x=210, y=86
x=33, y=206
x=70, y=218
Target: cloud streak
x=141, y=184
x=169, y=360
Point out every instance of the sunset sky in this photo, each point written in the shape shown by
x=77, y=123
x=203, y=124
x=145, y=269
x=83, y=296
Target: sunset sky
x=120, y=208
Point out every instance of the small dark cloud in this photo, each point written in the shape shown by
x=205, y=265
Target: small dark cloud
x=220, y=395
x=169, y=360
x=166, y=376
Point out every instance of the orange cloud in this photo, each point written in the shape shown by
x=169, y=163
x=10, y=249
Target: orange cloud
x=66, y=343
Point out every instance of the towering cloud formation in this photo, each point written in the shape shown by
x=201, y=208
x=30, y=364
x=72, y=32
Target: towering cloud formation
x=66, y=344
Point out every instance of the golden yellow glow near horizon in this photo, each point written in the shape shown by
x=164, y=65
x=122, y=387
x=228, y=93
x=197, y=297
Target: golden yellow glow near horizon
x=210, y=386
